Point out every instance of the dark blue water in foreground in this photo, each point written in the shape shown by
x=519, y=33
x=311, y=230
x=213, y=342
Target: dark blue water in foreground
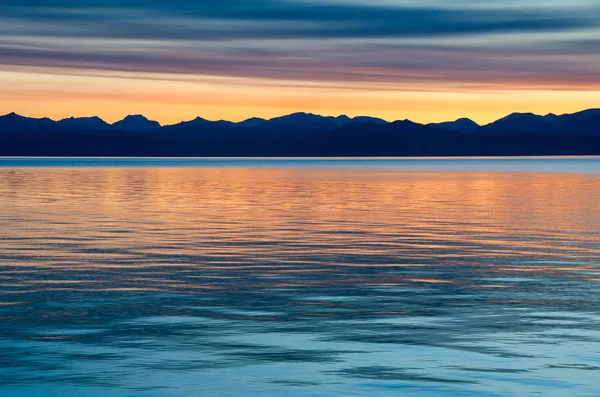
x=255, y=277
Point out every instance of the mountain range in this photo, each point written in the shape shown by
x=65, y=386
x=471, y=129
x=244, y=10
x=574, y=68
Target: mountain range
x=301, y=134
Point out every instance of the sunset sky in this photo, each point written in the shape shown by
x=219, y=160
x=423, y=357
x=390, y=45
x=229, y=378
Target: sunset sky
x=173, y=60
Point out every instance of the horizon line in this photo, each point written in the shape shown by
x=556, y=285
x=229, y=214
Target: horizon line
x=286, y=115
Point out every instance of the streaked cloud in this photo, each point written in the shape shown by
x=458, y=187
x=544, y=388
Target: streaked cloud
x=264, y=19
x=338, y=40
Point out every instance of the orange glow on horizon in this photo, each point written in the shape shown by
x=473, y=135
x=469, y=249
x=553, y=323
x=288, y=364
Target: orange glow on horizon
x=170, y=99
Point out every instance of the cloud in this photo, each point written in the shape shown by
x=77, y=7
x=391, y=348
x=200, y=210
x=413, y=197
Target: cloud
x=309, y=40
x=235, y=19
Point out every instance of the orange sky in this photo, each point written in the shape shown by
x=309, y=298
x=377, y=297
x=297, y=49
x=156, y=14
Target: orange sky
x=173, y=98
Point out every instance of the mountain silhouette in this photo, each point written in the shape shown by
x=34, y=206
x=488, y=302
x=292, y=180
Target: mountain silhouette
x=84, y=123
x=586, y=122
x=302, y=134
x=461, y=125
x=306, y=121
x=251, y=122
x=198, y=121
x=309, y=121
x=136, y=122
x=366, y=119
x=16, y=122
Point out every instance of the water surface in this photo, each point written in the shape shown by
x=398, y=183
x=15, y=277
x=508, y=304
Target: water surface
x=247, y=277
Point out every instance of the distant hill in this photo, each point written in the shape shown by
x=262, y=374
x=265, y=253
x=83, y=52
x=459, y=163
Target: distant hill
x=15, y=122
x=136, y=122
x=586, y=122
x=461, y=125
x=84, y=123
x=301, y=134
x=251, y=122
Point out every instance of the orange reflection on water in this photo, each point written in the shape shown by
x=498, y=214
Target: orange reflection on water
x=187, y=229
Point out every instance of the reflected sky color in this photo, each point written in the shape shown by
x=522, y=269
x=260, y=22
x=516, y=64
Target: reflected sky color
x=233, y=59
x=321, y=280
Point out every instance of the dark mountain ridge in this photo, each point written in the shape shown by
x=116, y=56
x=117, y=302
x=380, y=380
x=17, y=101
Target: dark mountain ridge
x=302, y=134
x=586, y=122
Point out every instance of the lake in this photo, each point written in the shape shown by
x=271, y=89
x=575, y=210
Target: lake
x=299, y=277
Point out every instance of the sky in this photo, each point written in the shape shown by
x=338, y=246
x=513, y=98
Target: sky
x=173, y=60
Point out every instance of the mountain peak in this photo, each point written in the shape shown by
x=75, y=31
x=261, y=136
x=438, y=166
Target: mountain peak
x=403, y=122
x=14, y=115
x=15, y=122
x=368, y=119
x=135, y=117
x=302, y=120
x=196, y=120
x=590, y=112
x=298, y=115
x=136, y=122
x=519, y=116
x=253, y=119
x=189, y=123
x=251, y=122
x=84, y=123
x=463, y=124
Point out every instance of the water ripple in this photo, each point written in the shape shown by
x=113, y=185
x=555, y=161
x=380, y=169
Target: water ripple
x=319, y=280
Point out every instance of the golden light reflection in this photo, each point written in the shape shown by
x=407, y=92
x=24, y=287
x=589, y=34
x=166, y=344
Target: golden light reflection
x=263, y=230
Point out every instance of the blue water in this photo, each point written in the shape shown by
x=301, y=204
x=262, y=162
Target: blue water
x=586, y=164
x=306, y=277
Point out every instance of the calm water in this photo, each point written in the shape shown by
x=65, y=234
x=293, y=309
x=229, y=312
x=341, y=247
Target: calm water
x=189, y=277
